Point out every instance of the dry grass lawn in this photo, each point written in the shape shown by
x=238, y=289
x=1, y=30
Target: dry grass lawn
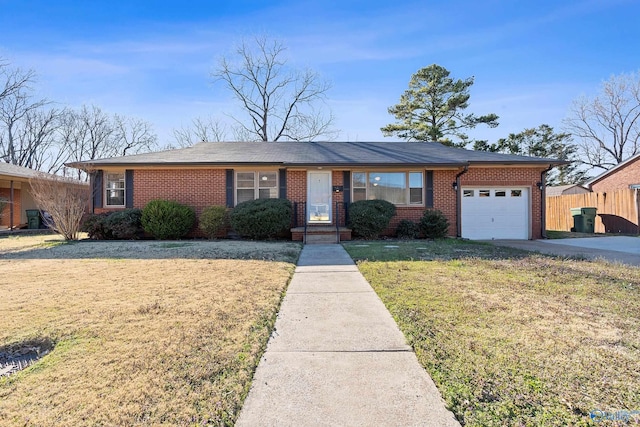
x=513, y=338
x=144, y=333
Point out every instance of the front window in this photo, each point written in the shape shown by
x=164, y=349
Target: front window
x=399, y=188
x=256, y=185
x=115, y=189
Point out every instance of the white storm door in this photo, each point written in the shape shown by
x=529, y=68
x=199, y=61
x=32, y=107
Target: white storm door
x=319, y=197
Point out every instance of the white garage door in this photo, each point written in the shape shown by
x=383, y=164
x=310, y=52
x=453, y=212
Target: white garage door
x=495, y=213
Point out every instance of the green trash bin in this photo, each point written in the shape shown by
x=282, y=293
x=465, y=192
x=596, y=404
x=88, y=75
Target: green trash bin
x=33, y=218
x=584, y=219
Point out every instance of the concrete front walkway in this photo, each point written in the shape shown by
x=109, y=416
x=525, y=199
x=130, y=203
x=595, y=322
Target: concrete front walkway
x=337, y=358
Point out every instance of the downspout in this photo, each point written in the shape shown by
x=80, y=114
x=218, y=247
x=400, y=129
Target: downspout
x=456, y=187
x=543, y=201
x=11, y=195
x=638, y=208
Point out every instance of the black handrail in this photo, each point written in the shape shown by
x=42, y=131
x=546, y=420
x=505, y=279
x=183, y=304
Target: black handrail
x=306, y=217
x=300, y=208
x=342, y=217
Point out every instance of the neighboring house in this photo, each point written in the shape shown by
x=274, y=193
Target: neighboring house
x=484, y=195
x=15, y=187
x=561, y=190
x=623, y=176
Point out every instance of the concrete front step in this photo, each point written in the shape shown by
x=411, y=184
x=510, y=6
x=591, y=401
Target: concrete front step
x=320, y=234
x=322, y=238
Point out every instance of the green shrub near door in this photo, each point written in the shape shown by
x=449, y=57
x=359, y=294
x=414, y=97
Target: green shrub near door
x=167, y=219
x=369, y=218
x=262, y=218
x=433, y=224
x=212, y=220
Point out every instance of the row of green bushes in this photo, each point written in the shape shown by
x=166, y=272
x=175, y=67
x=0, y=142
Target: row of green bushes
x=369, y=218
x=167, y=219
x=255, y=219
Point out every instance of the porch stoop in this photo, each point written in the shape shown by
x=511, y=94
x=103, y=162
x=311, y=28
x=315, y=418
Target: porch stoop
x=320, y=234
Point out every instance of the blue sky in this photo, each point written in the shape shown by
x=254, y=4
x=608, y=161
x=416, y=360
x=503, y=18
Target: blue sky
x=152, y=59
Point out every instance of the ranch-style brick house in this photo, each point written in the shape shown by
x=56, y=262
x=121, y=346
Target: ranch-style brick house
x=484, y=195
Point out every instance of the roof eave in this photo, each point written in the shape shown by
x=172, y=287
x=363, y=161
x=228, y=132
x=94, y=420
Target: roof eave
x=97, y=165
x=87, y=165
x=544, y=162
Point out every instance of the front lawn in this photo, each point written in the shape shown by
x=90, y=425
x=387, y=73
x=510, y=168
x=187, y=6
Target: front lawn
x=513, y=338
x=142, y=333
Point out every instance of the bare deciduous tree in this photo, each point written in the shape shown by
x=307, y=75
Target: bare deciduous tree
x=13, y=80
x=20, y=117
x=202, y=130
x=37, y=139
x=132, y=136
x=608, y=125
x=42, y=138
x=90, y=134
x=66, y=200
x=281, y=103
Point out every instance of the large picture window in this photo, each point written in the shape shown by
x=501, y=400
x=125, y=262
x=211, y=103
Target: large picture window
x=256, y=185
x=115, y=189
x=399, y=188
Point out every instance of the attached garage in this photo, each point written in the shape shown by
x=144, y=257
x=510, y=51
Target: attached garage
x=496, y=213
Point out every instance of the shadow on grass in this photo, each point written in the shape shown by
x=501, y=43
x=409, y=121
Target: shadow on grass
x=49, y=247
x=429, y=250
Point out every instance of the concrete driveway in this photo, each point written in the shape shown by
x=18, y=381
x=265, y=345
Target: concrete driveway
x=623, y=249
x=625, y=244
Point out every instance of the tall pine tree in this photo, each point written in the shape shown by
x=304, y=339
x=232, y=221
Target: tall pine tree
x=432, y=109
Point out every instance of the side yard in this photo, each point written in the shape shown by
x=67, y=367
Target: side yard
x=140, y=333
x=513, y=338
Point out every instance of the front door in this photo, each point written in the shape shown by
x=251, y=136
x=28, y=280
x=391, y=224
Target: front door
x=319, y=197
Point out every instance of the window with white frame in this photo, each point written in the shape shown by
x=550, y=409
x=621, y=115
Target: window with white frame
x=256, y=185
x=399, y=188
x=115, y=188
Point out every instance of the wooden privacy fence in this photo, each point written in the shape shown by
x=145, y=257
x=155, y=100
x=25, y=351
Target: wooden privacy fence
x=617, y=211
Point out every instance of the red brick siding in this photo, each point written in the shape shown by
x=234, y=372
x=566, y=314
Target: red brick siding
x=197, y=188
x=200, y=188
x=620, y=179
x=17, y=207
x=297, y=186
x=444, y=197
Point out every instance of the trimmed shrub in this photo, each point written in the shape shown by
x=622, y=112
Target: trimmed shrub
x=407, y=230
x=212, y=220
x=261, y=218
x=125, y=224
x=96, y=227
x=119, y=225
x=433, y=224
x=369, y=218
x=167, y=219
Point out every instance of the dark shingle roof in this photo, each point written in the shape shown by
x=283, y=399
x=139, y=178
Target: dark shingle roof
x=317, y=154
